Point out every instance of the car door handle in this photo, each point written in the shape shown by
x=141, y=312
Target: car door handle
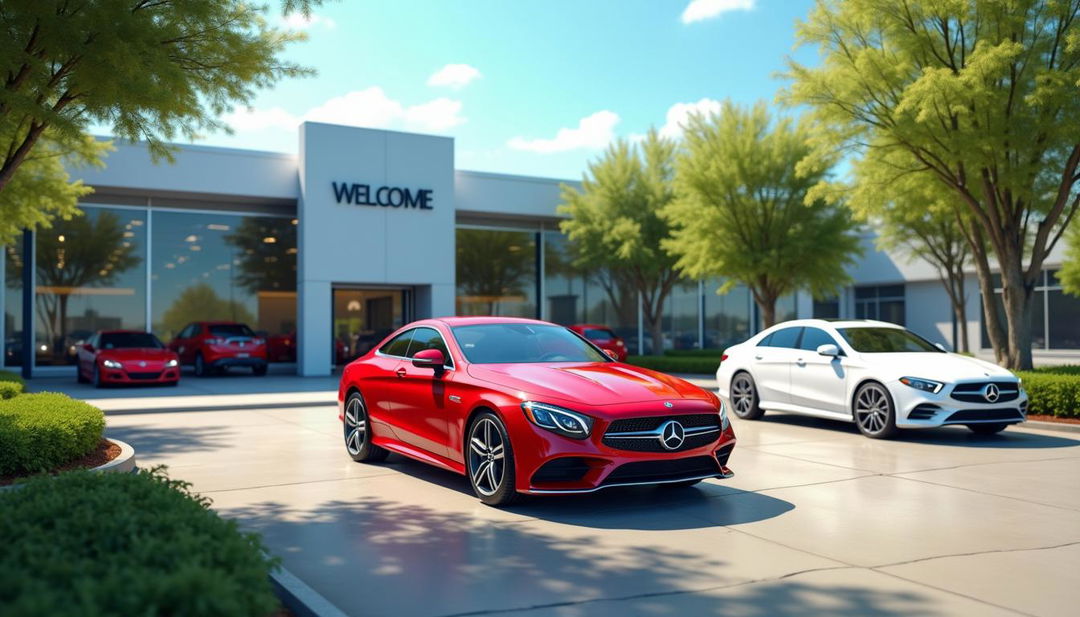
x=401, y=372
x=757, y=357
x=800, y=362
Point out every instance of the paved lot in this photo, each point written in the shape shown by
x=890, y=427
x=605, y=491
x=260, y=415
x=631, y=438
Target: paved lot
x=818, y=520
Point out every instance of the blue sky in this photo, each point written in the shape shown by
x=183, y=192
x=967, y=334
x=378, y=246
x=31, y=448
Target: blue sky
x=533, y=88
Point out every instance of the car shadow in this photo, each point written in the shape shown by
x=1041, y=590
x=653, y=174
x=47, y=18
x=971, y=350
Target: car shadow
x=956, y=436
x=707, y=504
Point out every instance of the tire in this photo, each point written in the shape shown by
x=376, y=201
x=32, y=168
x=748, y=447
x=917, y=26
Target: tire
x=357, y=436
x=200, y=366
x=489, y=461
x=97, y=378
x=874, y=412
x=744, y=397
x=258, y=371
x=988, y=429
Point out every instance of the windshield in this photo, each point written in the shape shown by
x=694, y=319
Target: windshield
x=127, y=340
x=886, y=340
x=599, y=334
x=230, y=330
x=499, y=343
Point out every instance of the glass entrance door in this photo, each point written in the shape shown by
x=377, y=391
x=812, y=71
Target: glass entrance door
x=363, y=317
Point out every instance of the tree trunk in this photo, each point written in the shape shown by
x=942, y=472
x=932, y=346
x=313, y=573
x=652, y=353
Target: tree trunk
x=767, y=306
x=994, y=331
x=960, y=306
x=1017, y=298
x=656, y=329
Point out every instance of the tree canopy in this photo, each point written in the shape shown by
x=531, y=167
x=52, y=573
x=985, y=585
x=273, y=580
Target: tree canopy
x=742, y=212
x=615, y=223
x=981, y=96
x=147, y=70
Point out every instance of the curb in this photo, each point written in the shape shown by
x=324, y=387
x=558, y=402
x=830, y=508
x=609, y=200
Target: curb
x=125, y=463
x=238, y=407
x=1063, y=427
x=302, y=600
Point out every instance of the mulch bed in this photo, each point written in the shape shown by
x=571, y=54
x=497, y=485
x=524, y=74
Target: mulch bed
x=1042, y=418
x=103, y=453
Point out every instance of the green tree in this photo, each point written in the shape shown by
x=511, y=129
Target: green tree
x=615, y=223
x=264, y=262
x=743, y=214
x=85, y=251
x=494, y=266
x=918, y=217
x=981, y=95
x=200, y=302
x=150, y=70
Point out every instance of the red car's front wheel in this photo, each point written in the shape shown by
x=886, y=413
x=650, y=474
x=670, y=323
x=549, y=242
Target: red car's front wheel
x=358, y=433
x=490, y=461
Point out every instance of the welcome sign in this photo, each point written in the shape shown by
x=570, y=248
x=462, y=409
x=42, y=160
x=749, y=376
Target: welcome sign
x=385, y=196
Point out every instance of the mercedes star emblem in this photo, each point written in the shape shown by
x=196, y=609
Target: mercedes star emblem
x=672, y=435
x=991, y=393
x=142, y=362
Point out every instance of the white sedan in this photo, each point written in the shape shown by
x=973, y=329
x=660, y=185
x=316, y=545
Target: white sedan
x=876, y=374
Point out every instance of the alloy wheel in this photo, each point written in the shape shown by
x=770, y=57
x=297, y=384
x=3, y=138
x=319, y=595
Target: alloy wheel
x=355, y=426
x=873, y=411
x=487, y=457
x=744, y=397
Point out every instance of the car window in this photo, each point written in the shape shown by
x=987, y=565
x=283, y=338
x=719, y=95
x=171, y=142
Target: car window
x=785, y=337
x=498, y=343
x=428, y=338
x=886, y=340
x=231, y=329
x=599, y=334
x=812, y=338
x=399, y=345
x=129, y=340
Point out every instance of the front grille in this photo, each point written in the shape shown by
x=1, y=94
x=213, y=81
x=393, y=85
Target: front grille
x=654, y=445
x=973, y=392
x=659, y=471
x=144, y=375
x=566, y=469
x=651, y=423
x=923, y=412
x=985, y=415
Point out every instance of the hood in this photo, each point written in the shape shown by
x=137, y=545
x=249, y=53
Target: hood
x=137, y=353
x=593, y=383
x=947, y=367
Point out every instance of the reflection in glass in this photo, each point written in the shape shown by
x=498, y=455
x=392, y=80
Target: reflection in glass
x=209, y=266
x=1064, y=320
x=13, y=265
x=90, y=275
x=610, y=300
x=362, y=319
x=564, y=283
x=681, y=317
x=727, y=316
x=496, y=273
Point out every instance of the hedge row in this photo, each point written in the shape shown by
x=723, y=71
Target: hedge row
x=112, y=544
x=677, y=364
x=40, y=432
x=11, y=385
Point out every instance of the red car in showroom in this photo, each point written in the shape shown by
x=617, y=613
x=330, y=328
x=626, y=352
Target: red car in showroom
x=126, y=357
x=215, y=346
x=523, y=406
x=604, y=338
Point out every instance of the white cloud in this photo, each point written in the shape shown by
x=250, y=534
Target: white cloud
x=679, y=113
x=592, y=132
x=700, y=10
x=370, y=108
x=454, y=76
x=297, y=21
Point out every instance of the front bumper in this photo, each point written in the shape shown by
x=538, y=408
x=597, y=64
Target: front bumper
x=550, y=464
x=148, y=376
x=230, y=362
x=917, y=409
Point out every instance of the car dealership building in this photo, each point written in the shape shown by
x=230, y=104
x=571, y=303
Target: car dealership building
x=327, y=251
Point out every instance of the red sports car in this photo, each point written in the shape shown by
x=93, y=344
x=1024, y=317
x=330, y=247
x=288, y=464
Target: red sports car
x=604, y=338
x=524, y=406
x=216, y=346
x=128, y=357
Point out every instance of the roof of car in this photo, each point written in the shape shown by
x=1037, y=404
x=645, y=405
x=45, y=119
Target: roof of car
x=840, y=323
x=480, y=320
x=590, y=325
x=123, y=332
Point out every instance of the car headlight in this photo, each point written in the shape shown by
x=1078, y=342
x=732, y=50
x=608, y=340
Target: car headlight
x=111, y=364
x=172, y=363
x=558, y=420
x=725, y=424
x=925, y=385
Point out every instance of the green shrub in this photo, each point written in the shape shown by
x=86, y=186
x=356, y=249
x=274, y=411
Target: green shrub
x=694, y=353
x=118, y=544
x=1052, y=394
x=10, y=389
x=1066, y=369
x=39, y=432
x=677, y=364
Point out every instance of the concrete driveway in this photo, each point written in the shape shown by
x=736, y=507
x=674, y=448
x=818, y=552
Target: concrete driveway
x=818, y=520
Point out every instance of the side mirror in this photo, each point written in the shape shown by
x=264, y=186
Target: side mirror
x=612, y=354
x=828, y=350
x=88, y=347
x=941, y=347
x=429, y=358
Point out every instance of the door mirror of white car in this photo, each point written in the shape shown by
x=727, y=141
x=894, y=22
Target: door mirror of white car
x=941, y=347
x=828, y=350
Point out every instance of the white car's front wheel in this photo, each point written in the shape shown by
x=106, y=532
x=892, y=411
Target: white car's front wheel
x=874, y=411
x=744, y=397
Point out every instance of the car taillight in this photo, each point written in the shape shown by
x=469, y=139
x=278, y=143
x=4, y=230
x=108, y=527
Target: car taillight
x=258, y=341
x=215, y=341
x=723, y=357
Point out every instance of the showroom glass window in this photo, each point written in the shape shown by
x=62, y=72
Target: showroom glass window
x=827, y=308
x=727, y=316
x=1055, y=315
x=90, y=275
x=680, y=317
x=565, y=284
x=13, y=265
x=213, y=266
x=882, y=302
x=496, y=272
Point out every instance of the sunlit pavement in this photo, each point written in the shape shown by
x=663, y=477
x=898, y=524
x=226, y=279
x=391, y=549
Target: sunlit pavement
x=818, y=520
